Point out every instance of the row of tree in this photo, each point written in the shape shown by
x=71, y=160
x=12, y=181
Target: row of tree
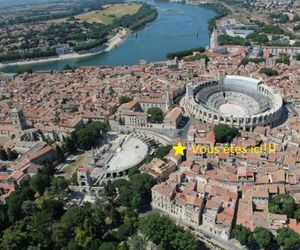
x=283, y=59
x=144, y=15
x=247, y=60
x=41, y=14
x=286, y=238
x=183, y=53
x=72, y=32
x=221, y=11
x=229, y=40
x=268, y=71
x=13, y=56
x=90, y=45
x=260, y=38
x=280, y=17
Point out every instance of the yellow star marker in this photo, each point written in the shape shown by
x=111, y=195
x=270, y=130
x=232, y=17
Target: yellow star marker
x=179, y=149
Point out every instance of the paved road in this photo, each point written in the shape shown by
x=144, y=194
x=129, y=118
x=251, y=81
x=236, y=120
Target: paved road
x=210, y=238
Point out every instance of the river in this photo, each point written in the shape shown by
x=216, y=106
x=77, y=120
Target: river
x=175, y=29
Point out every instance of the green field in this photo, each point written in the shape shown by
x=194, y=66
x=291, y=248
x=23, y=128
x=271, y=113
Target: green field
x=108, y=15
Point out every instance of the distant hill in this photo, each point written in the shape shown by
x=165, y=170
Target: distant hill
x=7, y=3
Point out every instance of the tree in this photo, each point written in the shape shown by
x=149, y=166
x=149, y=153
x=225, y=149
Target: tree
x=184, y=53
x=287, y=238
x=162, y=151
x=115, y=217
x=243, y=235
x=53, y=208
x=282, y=204
x=259, y=38
x=124, y=231
x=224, y=133
x=3, y=154
x=86, y=139
x=15, y=202
x=145, y=14
x=136, y=201
x=133, y=171
x=123, y=246
x=69, y=144
x=91, y=45
x=297, y=215
x=12, y=154
x=268, y=72
x=58, y=186
x=155, y=115
x=162, y=230
x=4, y=223
x=280, y=17
x=296, y=18
x=82, y=237
x=39, y=230
x=184, y=240
x=125, y=194
x=39, y=182
x=75, y=217
x=87, y=136
x=60, y=156
x=60, y=235
x=263, y=237
x=124, y=99
x=108, y=246
x=29, y=208
x=73, y=179
x=135, y=193
x=246, y=60
x=272, y=29
x=229, y=40
x=110, y=190
x=283, y=59
x=137, y=243
x=97, y=224
x=15, y=237
x=131, y=218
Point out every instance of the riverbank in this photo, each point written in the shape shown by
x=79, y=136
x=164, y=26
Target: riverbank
x=111, y=44
x=175, y=29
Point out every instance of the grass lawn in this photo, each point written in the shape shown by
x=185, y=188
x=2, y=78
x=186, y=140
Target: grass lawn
x=106, y=16
x=82, y=160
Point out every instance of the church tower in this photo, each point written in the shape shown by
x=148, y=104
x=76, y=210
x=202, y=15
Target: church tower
x=18, y=118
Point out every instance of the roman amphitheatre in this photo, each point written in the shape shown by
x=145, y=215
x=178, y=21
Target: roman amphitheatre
x=238, y=101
